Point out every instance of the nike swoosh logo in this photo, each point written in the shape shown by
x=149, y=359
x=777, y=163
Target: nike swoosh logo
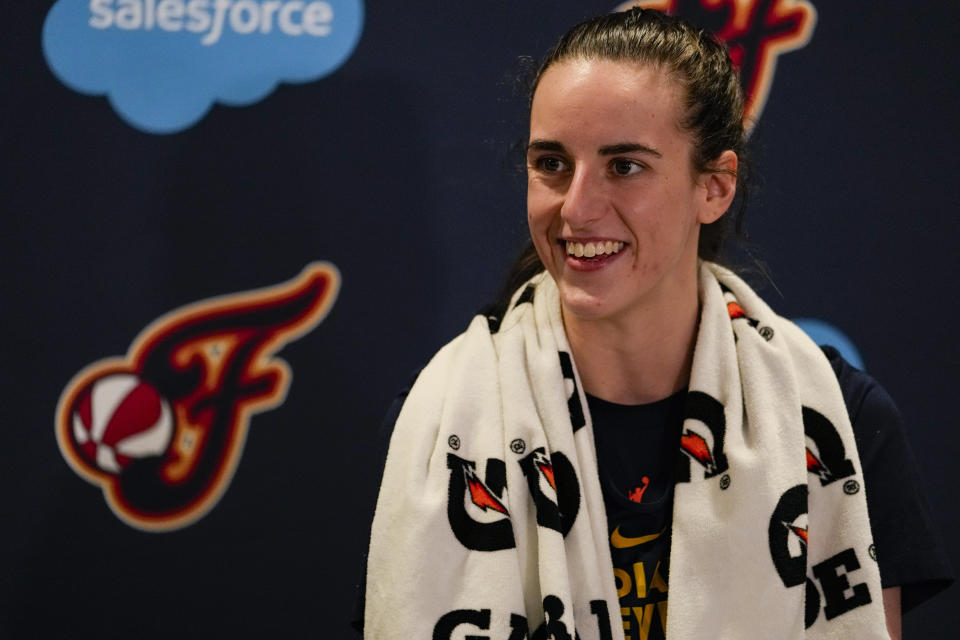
x=623, y=542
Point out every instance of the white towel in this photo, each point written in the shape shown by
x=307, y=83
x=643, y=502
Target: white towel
x=490, y=521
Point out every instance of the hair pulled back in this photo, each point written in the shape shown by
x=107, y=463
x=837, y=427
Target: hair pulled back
x=712, y=108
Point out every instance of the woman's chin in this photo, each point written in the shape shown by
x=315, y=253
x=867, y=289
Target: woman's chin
x=583, y=304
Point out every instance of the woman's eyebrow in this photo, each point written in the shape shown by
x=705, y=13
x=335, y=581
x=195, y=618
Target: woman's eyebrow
x=546, y=145
x=606, y=150
x=627, y=147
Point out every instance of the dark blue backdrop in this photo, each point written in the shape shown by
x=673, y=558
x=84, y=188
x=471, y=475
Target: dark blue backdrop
x=397, y=167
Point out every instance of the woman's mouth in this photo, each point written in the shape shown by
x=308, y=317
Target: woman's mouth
x=593, y=249
x=590, y=256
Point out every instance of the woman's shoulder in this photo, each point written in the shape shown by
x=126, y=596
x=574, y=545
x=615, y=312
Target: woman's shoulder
x=908, y=546
x=867, y=402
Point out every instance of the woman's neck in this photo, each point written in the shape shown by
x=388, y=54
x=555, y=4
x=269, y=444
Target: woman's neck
x=638, y=359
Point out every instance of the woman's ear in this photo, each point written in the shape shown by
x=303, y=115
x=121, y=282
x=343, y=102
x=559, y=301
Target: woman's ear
x=719, y=184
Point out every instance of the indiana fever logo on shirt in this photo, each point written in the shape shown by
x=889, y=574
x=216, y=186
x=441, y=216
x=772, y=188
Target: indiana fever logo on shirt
x=161, y=430
x=757, y=32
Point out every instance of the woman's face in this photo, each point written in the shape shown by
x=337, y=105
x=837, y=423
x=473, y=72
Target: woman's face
x=613, y=203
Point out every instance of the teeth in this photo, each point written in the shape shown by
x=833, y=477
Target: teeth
x=591, y=249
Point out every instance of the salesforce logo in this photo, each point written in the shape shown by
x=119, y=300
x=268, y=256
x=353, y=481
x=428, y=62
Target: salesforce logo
x=163, y=63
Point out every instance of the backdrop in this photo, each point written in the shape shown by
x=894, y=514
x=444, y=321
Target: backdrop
x=232, y=230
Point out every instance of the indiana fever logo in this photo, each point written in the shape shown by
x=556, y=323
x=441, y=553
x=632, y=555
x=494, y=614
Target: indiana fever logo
x=756, y=33
x=161, y=430
x=476, y=506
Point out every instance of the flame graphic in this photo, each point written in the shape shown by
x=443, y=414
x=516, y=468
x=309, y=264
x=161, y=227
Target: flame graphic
x=480, y=494
x=757, y=33
x=695, y=445
x=213, y=361
x=734, y=310
x=800, y=532
x=814, y=465
x=545, y=467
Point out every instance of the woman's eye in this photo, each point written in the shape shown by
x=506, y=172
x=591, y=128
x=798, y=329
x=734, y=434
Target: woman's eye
x=550, y=164
x=626, y=167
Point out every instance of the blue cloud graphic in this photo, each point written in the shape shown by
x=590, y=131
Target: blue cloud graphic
x=163, y=63
x=824, y=333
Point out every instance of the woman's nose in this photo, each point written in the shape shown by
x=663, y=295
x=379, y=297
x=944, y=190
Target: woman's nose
x=583, y=202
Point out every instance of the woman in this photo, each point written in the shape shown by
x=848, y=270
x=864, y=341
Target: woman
x=532, y=486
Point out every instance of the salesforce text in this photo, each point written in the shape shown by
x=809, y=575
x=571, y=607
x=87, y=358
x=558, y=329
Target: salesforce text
x=293, y=18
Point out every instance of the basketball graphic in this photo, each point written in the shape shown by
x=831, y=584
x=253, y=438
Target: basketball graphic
x=118, y=418
x=161, y=429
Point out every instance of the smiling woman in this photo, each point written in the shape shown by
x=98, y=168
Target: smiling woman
x=639, y=418
x=609, y=163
